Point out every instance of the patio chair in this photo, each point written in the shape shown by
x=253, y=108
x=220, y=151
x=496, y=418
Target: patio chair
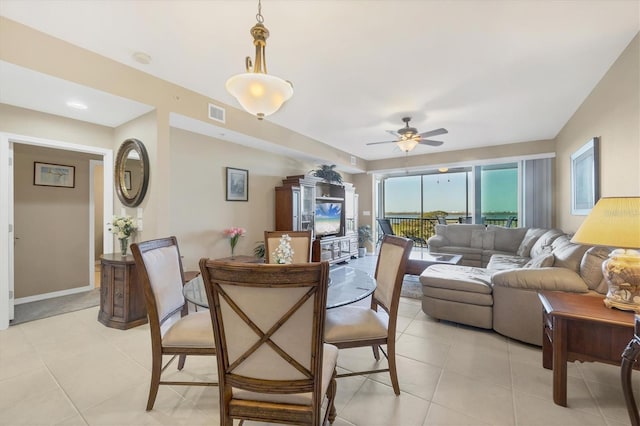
x=386, y=228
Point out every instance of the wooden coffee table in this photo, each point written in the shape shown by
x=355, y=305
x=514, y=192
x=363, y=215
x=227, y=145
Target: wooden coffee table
x=419, y=262
x=578, y=327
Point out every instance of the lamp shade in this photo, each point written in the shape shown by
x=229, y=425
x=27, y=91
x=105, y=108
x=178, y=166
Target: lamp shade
x=613, y=222
x=259, y=94
x=407, y=144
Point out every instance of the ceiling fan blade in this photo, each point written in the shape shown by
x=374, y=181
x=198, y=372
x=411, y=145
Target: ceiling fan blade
x=376, y=143
x=435, y=132
x=394, y=133
x=430, y=142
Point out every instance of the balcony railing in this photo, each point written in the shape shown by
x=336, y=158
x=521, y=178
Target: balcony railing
x=421, y=229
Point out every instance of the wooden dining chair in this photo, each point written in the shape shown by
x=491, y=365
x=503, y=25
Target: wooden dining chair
x=357, y=326
x=269, y=320
x=173, y=330
x=300, y=243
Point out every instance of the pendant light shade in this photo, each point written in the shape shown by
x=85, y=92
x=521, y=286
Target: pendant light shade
x=259, y=94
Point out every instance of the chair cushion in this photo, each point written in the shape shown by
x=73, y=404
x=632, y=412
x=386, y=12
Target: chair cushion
x=192, y=331
x=353, y=323
x=329, y=361
x=163, y=268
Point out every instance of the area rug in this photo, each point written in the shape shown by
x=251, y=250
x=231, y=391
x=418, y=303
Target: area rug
x=411, y=287
x=55, y=306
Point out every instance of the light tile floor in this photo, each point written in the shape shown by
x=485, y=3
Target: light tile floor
x=72, y=370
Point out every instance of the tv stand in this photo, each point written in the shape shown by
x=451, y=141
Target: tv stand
x=296, y=201
x=335, y=249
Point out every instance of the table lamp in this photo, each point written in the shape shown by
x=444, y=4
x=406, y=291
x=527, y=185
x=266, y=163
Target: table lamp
x=615, y=222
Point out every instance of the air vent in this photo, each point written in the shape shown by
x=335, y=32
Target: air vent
x=216, y=113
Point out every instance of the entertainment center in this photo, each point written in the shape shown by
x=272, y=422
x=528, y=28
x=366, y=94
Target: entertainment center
x=328, y=210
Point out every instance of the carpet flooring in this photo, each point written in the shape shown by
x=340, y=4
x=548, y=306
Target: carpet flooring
x=32, y=311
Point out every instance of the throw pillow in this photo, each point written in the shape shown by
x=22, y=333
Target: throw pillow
x=543, y=260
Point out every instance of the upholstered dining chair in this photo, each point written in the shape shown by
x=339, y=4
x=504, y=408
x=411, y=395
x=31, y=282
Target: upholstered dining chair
x=357, y=326
x=269, y=320
x=300, y=243
x=173, y=330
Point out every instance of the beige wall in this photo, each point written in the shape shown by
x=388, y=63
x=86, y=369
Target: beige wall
x=612, y=113
x=198, y=209
x=51, y=224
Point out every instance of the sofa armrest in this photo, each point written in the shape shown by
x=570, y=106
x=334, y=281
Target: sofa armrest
x=559, y=279
x=437, y=241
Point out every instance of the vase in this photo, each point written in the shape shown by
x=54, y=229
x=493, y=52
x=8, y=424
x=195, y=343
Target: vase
x=233, y=249
x=124, y=246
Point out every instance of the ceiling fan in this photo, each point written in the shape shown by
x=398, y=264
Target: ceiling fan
x=409, y=138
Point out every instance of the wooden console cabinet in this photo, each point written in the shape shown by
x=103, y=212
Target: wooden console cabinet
x=122, y=303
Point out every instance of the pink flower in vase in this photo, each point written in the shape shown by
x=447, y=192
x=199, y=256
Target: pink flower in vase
x=234, y=234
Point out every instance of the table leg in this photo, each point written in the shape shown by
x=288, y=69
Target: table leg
x=629, y=357
x=547, y=344
x=560, y=361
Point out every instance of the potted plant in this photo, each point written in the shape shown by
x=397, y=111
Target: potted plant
x=328, y=173
x=364, y=236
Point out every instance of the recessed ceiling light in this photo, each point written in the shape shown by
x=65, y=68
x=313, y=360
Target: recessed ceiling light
x=76, y=105
x=443, y=169
x=141, y=58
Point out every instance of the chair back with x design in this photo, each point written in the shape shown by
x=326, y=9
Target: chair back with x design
x=268, y=322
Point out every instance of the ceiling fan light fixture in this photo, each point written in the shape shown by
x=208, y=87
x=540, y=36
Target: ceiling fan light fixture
x=257, y=92
x=407, y=144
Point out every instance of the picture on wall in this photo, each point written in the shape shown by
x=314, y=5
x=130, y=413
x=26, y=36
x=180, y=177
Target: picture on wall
x=237, y=184
x=585, y=178
x=45, y=174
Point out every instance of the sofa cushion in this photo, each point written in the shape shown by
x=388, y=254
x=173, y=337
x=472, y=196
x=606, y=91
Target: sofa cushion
x=458, y=234
x=591, y=268
x=543, y=260
x=456, y=277
x=482, y=239
x=507, y=239
x=545, y=240
x=528, y=241
x=567, y=254
x=499, y=262
x=556, y=279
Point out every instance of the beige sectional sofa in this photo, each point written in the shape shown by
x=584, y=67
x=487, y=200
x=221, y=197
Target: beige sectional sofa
x=495, y=285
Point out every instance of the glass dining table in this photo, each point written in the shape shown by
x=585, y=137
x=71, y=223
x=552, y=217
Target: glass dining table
x=346, y=285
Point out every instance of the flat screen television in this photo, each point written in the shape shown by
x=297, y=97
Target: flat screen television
x=328, y=218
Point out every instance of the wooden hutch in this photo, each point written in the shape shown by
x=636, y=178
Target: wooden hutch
x=297, y=201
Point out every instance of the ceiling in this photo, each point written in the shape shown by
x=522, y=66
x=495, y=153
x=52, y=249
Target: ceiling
x=491, y=72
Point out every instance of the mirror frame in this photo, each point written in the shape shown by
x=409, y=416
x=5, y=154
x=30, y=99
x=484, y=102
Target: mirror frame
x=126, y=198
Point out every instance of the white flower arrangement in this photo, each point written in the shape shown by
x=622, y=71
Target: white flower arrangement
x=283, y=254
x=122, y=226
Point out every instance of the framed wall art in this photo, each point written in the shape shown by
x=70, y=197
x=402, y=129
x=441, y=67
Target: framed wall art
x=585, y=178
x=237, y=184
x=45, y=174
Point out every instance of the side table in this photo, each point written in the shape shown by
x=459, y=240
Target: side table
x=578, y=327
x=122, y=302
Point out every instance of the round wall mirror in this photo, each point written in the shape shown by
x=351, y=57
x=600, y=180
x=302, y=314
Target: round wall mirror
x=132, y=172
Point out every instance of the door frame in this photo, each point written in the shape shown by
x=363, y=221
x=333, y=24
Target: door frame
x=7, y=205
